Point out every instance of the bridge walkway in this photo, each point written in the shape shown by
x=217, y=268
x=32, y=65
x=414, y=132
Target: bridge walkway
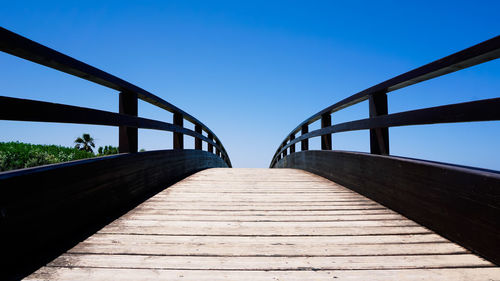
x=264, y=224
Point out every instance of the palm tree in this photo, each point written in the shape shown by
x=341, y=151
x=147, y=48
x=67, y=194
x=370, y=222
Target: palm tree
x=85, y=143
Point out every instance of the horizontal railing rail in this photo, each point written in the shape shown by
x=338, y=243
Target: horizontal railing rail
x=379, y=120
x=127, y=119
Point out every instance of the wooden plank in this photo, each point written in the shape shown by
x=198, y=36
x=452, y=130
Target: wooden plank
x=244, y=196
x=79, y=273
x=275, y=206
x=220, y=217
x=265, y=231
x=259, y=189
x=263, y=197
x=262, y=202
x=300, y=203
x=259, y=192
x=268, y=263
x=124, y=223
x=127, y=239
x=265, y=250
x=336, y=213
x=287, y=200
x=265, y=208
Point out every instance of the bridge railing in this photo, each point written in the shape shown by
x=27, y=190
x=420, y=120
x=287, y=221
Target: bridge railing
x=460, y=203
x=379, y=120
x=47, y=209
x=126, y=119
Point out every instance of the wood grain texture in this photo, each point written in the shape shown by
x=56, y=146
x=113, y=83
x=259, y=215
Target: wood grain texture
x=47, y=209
x=459, y=203
x=305, y=273
x=233, y=224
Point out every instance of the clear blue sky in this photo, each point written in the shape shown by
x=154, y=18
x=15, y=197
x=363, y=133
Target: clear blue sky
x=252, y=70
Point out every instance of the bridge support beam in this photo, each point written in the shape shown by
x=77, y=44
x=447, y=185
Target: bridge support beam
x=292, y=147
x=379, y=138
x=326, y=140
x=178, y=137
x=304, y=144
x=197, y=141
x=128, y=136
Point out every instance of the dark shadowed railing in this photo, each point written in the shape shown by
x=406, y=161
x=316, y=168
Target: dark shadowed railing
x=461, y=203
x=44, y=210
x=380, y=121
x=126, y=119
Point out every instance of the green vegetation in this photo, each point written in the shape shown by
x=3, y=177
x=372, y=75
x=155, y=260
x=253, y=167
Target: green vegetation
x=17, y=155
x=107, y=150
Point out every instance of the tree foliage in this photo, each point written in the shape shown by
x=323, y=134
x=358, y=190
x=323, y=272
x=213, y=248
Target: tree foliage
x=85, y=143
x=18, y=155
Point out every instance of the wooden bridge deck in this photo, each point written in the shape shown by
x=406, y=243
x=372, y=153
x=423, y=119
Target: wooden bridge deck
x=264, y=224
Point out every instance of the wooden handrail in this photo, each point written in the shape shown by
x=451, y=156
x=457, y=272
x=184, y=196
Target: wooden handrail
x=380, y=121
x=482, y=110
x=15, y=109
x=127, y=119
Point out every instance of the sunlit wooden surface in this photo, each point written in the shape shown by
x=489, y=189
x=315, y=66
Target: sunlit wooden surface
x=264, y=224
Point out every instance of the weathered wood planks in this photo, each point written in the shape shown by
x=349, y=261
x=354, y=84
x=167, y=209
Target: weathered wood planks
x=460, y=203
x=263, y=224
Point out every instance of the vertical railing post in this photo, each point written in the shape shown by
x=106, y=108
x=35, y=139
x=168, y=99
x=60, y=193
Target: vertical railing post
x=304, y=144
x=127, y=136
x=197, y=141
x=326, y=140
x=217, y=151
x=284, y=151
x=292, y=147
x=210, y=146
x=178, y=137
x=379, y=137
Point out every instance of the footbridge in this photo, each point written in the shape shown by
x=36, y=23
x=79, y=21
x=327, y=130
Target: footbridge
x=185, y=214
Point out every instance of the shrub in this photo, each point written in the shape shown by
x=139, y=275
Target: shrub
x=18, y=155
x=107, y=150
